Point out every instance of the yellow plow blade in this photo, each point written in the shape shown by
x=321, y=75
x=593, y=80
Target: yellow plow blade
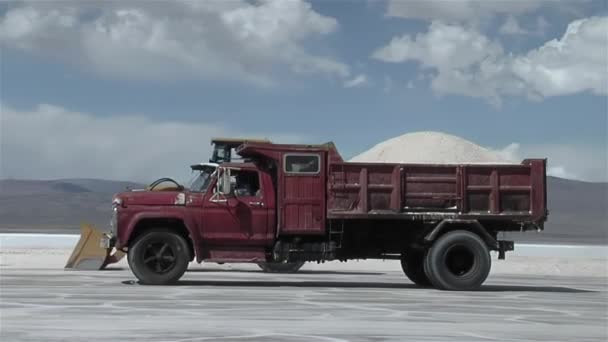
x=88, y=254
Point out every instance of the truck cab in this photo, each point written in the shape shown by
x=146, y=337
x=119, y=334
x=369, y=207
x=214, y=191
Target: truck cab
x=229, y=211
x=284, y=205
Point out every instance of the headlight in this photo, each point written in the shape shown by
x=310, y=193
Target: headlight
x=114, y=220
x=116, y=202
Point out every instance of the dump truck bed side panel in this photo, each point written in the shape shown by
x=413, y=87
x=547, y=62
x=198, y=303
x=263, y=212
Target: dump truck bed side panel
x=356, y=189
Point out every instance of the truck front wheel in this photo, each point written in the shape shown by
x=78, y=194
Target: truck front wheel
x=281, y=267
x=412, y=263
x=458, y=261
x=158, y=257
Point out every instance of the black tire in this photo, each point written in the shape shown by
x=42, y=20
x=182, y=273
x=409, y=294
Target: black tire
x=158, y=257
x=458, y=261
x=281, y=267
x=412, y=263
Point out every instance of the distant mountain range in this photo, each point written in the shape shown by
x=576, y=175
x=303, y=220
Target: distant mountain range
x=57, y=206
x=578, y=210
x=578, y=213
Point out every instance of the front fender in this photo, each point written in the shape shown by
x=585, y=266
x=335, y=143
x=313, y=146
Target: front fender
x=128, y=223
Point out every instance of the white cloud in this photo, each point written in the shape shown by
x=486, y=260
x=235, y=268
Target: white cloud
x=511, y=27
x=466, y=62
x=459, y=11
x=185, y=39
x=577, y=62
x=442, y=45
x=358, y=81
x=456, y=54
x=51, y=142
x=560, y=171
x=574, y=160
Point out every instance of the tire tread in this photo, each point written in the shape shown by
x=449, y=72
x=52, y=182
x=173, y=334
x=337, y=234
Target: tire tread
x=437, y=274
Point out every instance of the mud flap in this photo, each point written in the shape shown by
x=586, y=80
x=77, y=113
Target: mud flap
x=89, y=255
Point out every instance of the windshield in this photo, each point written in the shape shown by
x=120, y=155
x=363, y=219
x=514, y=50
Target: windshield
x=200, y=181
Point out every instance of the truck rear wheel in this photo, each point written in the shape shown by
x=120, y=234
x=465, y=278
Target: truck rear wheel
x=159, y=257
x=458, y=261
x=281, y=267
x=412, y=263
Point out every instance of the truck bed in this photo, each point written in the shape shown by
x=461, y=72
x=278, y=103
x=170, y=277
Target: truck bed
x=515, y=192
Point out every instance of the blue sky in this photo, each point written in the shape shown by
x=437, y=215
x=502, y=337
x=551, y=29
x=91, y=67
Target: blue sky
x=134, y=90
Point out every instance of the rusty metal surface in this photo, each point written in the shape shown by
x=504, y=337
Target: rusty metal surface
x=447, y=190
x=302, y=201
x=515, y=194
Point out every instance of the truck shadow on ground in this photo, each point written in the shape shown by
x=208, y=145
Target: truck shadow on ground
x=299, y=272
x=373, y=285
x=310, y=272
x=107, y=269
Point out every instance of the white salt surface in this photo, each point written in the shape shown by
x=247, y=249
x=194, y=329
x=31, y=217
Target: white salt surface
x=241, y=303
x=431, y=148
x=51, y=251
x=35, y=241
x=23, y=258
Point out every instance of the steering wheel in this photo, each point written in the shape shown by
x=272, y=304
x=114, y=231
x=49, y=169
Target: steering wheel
x=162, y=180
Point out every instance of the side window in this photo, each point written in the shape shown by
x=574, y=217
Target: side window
x=247, y=183
x=302, y=163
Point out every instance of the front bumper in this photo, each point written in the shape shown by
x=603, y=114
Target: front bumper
x=107, y=241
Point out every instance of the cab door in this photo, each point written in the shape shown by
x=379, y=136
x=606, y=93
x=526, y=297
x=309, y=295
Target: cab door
x=239, y=217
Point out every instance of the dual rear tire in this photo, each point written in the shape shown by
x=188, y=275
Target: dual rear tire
x=412, y=263
x=458, y=261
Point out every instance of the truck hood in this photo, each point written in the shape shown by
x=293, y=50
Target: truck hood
x=152, y=198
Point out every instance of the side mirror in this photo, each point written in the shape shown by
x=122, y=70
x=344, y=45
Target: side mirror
x=224, y=185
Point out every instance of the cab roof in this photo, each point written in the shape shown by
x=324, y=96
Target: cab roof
x=237, y=141
x=245, y=165
x=250, y=149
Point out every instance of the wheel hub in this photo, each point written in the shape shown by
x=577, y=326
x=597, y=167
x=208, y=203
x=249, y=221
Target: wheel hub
x=159, y=257
x=459, y=260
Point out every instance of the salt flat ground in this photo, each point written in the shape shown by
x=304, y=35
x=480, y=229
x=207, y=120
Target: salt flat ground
x=359, y=301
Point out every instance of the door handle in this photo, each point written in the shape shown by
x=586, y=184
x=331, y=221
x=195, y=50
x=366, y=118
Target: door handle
x=256, y=204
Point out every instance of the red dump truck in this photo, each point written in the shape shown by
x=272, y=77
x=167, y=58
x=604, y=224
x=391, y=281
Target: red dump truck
x=284, y=205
